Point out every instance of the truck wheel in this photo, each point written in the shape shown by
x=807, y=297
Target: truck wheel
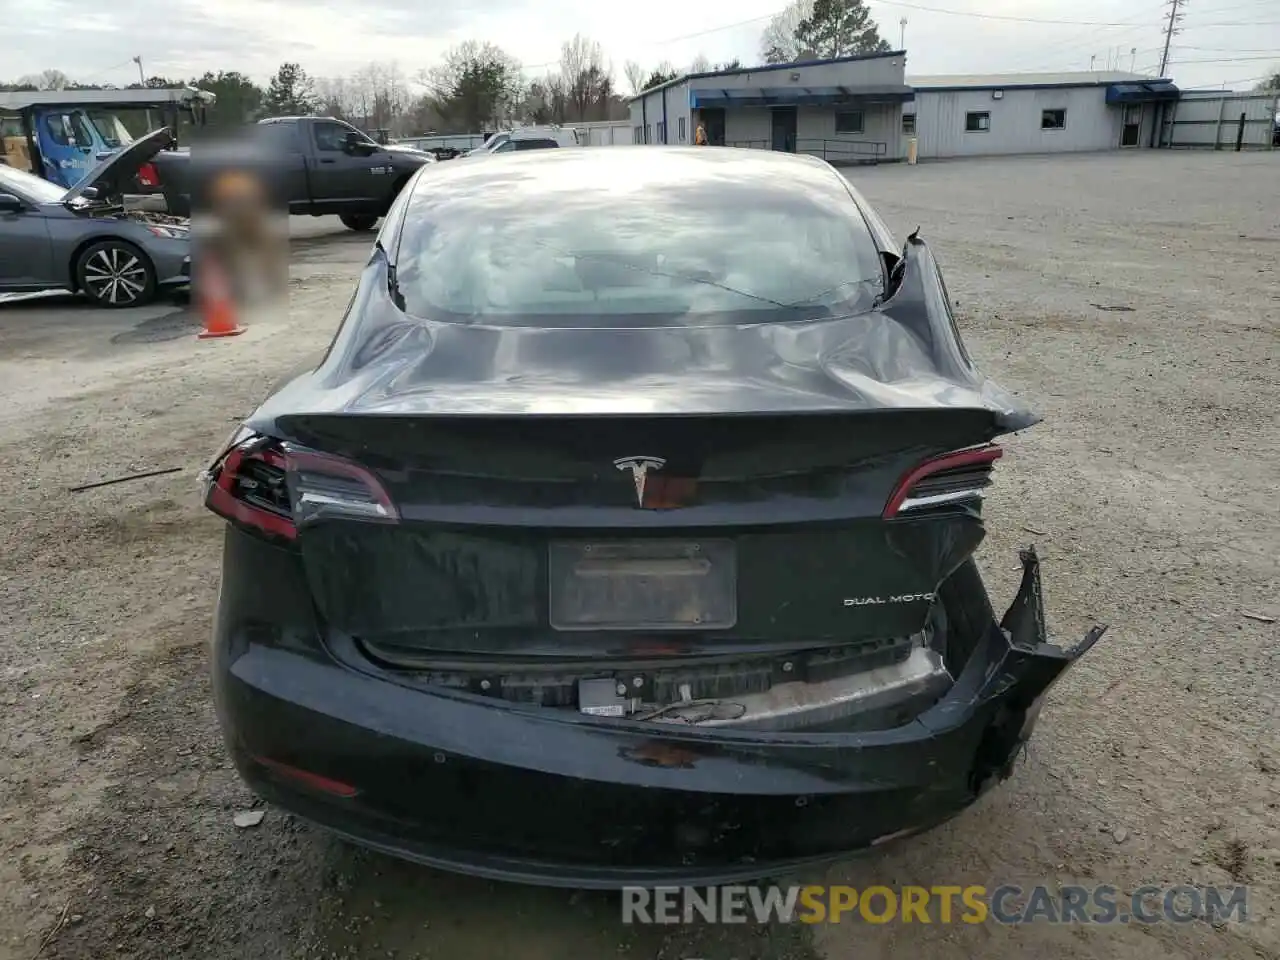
x=360, y=222
x=115, y=273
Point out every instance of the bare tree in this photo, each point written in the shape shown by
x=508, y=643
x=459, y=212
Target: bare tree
x=46, y=80
x=335, y=97
x=586, y=78
x=779, y=43
x=635, y=76
x=380, y=95
x=700, y=64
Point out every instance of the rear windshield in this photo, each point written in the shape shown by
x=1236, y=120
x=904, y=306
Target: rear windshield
x=656, y=253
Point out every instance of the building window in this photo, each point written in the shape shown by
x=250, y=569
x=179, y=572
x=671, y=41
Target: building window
x=662, y=132
x=849, y=121
x=637, y=135
x=909, y=123
x=1053, y=119
x=682, y=127
x=977, y=122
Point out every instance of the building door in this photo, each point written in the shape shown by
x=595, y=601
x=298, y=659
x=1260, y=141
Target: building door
x=1131, y=132
x=784, y=129
x=713, y=119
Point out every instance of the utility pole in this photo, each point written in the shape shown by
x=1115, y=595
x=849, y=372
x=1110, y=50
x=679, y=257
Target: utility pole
x=902, y=34
x=1175, y=17
x=1133, y=58
x=141, y=77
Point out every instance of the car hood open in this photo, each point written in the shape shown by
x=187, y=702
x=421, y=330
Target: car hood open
x=113, y=174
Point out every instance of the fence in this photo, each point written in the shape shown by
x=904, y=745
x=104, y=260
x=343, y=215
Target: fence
x=1209, y=120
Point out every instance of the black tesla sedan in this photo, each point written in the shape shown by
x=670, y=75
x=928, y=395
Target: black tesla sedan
x=625, y=533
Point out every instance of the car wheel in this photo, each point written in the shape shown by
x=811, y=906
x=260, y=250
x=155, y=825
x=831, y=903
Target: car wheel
x=358, y=221
x=115, y=273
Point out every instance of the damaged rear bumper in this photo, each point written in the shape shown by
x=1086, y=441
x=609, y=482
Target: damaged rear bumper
x=554, y=797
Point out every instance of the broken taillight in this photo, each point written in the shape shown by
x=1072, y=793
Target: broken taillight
x=248, y=488
x=952, y=477
x=272, y=489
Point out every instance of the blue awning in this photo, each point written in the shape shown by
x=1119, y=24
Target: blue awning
x=1142, y=92
x=800, y=96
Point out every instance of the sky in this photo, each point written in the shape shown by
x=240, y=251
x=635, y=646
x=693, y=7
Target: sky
x=1231, y=42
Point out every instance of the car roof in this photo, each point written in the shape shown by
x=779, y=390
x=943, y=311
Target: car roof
x=641, y=167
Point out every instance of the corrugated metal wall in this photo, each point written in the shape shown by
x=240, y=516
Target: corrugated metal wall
x=1016, y=122
x=1211, y=120
x=646, y=114
x=603, y=133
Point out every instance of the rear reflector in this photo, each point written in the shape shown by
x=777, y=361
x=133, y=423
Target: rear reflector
x=306, y=778
x=952, y=477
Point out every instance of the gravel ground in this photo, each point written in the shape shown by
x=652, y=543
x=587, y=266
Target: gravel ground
x=1139, y=320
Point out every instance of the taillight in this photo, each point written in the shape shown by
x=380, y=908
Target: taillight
x=147, y=175
x=249, y=488
x=961, y=475
x=273, y=489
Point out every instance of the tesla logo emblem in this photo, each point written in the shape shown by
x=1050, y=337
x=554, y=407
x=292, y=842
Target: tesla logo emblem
x=640, y=467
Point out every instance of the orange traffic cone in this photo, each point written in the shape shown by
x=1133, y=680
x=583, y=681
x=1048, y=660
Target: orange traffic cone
x=216, y=305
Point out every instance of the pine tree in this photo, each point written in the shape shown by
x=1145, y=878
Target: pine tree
x=290, y=93
x=839, y=28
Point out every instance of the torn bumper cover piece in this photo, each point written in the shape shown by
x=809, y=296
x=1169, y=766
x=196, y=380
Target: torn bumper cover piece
x=557, y=797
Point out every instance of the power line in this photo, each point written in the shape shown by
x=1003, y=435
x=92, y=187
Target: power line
x=1265, y=76
x=1233, y=8
x=995, y=16
x=1085, y=38
x=1081, y=23
x=1187, y=46
x=1227, y=59
x=100, y=73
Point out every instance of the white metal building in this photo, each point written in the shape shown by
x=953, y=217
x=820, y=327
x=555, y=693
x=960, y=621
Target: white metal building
x=966, y=116
x=848, y=109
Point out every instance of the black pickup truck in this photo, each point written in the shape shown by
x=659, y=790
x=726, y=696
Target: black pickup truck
x=318, y=166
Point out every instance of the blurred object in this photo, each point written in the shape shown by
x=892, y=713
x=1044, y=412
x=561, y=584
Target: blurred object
x=217, y=308
x=240, y=224
x=913, y=146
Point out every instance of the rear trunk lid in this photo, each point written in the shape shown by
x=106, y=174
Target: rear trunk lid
x=594, y=537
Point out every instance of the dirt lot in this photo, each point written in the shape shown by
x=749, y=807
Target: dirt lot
x=1133, y=299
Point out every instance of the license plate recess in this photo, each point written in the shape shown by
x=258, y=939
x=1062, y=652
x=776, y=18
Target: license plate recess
x=643, y=584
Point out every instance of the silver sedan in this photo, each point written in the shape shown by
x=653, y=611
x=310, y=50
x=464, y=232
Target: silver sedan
x=84, y=240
